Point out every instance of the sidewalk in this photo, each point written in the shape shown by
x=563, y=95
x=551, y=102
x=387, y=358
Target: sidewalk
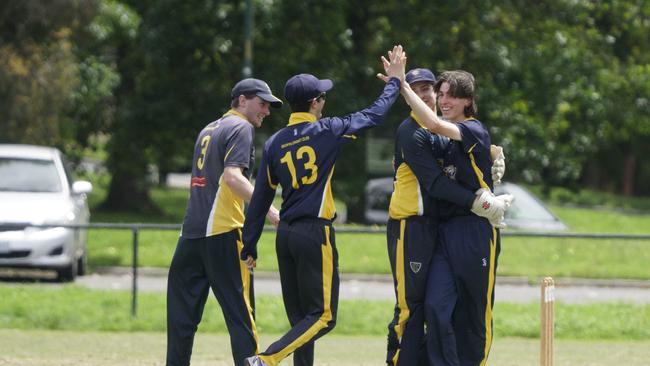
x=380, y=287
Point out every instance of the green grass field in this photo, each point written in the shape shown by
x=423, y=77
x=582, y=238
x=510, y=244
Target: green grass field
x=89, y=348
x=366, y=253
x=51, y=324
x=48, y=325
x=69, y=307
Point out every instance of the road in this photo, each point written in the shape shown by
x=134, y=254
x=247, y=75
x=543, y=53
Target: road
x=379, y=287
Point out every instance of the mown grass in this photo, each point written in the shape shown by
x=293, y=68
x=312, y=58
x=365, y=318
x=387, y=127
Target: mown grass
x=90, y=348
x=366, y=253
x=591, y=198
x=69, y=307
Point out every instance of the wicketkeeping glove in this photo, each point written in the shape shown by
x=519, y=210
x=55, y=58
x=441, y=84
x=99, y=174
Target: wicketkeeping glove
x=498, y=164
x=492, y=207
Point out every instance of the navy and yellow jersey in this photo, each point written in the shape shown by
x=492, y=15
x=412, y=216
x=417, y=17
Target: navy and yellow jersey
x=468, y=162
x=418, y=178
x=301, y=157
x=213, y=208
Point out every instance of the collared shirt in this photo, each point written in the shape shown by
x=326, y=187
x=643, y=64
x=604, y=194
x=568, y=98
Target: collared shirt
x=300, y=158
x=419, y=180
x=468, y=162
x=213, y=208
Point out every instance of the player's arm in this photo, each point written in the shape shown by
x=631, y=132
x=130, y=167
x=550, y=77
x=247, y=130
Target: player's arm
x=237, y=182
x=263, y=194
x=420, y=158
x=428, y=116
x=376, y=112
x=242, y=187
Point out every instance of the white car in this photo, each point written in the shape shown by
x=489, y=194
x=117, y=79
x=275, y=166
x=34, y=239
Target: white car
x=36, y=188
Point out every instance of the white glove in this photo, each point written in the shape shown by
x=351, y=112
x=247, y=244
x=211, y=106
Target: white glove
x=492, y=207
x=498, y=164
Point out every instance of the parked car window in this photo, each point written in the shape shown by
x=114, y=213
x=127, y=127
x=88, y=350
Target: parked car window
x=526, y=212
x=29, y=175
x=67, y=168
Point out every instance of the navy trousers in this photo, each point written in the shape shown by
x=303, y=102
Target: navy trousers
x=411, y=244
x=197, y=266
x=460, y=292
x=308, y=265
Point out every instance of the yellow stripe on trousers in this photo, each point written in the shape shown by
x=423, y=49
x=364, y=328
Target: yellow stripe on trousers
x=246, y=282
x=488, y=302
x=321, y=323
x=404, y=312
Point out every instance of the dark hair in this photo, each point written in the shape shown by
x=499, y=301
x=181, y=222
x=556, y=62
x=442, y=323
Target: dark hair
x=302, y=107
x=234, y=103
x=461, y=85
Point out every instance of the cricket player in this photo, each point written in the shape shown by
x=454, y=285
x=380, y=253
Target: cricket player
x=412, y=229
x=301, y=158
x=209, y=247
x=460, y=287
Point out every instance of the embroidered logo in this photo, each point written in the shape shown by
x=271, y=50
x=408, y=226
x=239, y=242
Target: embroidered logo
x=450, y=171
x=484, y=261
x=486, y=205
x=415, y=266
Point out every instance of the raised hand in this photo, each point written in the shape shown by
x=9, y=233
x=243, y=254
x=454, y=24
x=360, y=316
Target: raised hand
x=394, y=65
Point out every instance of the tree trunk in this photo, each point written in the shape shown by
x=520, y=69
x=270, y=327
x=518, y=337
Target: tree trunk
x=629, y=172
x=129, y=188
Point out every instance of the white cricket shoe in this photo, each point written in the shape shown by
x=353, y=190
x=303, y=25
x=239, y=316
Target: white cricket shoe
x=254, y=361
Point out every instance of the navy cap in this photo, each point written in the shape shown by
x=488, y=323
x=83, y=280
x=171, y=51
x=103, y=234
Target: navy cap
x=420, y=75
x=302, y=88
x=257, y=87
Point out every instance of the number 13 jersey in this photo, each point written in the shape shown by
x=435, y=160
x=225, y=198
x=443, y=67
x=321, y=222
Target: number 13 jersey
x=301, y=157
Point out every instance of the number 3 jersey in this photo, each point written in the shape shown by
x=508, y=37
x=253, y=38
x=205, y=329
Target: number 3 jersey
x=301, y=157
x=213, y=208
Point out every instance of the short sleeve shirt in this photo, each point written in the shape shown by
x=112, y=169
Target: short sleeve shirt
x=213, y=208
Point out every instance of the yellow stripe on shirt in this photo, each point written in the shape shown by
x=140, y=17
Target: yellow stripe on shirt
x=477, y=171
x=406, y=199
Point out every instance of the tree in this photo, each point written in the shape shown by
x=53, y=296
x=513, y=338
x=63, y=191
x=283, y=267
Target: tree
x=39, y=70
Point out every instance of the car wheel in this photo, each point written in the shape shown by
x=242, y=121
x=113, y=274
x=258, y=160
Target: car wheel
x=82, y=265
x=68, y=274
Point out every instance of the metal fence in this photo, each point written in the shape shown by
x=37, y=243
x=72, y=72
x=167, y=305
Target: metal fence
x=135, y=229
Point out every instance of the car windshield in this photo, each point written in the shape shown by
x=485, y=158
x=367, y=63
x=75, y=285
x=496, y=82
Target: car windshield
x=525, y=206
x=28, y=175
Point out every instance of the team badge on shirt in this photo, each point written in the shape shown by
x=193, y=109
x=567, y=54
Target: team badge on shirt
x=450, y=171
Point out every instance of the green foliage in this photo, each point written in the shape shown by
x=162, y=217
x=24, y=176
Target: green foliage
x=563, y=85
